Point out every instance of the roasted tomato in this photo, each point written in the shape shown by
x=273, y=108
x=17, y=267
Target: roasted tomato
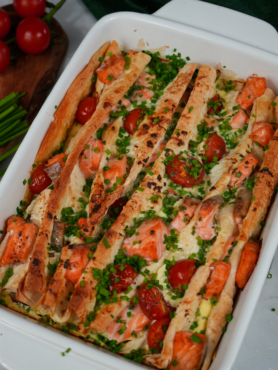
x=117, y=207
x=216, y=147
x=133, y=120
x=152, y=302
x=181, y=273
x=185, y=171
x=85, y=110
x=39, y=180
x=122, y=278
x=215, y=105
x=157, y=333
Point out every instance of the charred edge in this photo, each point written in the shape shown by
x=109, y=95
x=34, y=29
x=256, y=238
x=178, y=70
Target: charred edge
x=36, y=262
x=66, y=264
x=149, y=144
x=266, y=170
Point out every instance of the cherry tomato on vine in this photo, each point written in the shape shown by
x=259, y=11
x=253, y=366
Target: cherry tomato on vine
x=152, y=303
x=86, y=109
x=29, y=8
x=156, y=333
x=122, y=278
x=216, y=147
x=185, y=171
x=40, y=180
x=130, y=124
x=32, y=35
x=181, y=273
x=5, y=23
x=4, y=56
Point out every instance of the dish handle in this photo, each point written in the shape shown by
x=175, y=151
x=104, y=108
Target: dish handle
x=222, y=21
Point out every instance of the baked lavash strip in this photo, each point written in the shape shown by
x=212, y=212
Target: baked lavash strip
x=144, y=143
x=37, y=276
x=65, y=113
x=186, y=311
x=262, y=194
x=83, y=298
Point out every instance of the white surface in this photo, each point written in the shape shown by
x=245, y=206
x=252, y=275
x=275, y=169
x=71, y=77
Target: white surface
x=259, y=348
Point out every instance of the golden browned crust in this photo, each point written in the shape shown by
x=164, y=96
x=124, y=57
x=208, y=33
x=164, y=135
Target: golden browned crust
x=65, y=114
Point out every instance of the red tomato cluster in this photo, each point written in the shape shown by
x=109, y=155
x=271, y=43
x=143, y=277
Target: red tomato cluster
x=32, y=33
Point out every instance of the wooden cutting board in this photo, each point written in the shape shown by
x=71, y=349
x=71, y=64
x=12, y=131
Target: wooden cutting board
x=34, y=74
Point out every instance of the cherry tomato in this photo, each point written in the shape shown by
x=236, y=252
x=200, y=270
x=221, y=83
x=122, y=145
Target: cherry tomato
x=40, y=180
x=185, y=171
x=85, y=110
x=4, y=56
x=134, y=117
x=181, y=273
x=32, y=35
x=117, y=207
x=216, y=148
x=157, y=333
x=29, y=8
x=152, y=303
x=5, y=23
x=122, y=278
x=215, y=105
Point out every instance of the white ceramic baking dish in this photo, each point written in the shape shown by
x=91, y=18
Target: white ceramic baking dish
x=208, y=34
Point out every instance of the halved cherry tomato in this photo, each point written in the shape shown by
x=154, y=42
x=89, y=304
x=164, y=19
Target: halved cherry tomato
x=5, y=23
x=111, y=69
x=216, y=148
x=122, y=278
x=133, y=120
x=77, y=263
x=262, y=133
x=152, y=302
x=156, y=334
x=39, y=180
x=86, y=109
x=181, y=273
x=185, y=171
x=215, y=105
x=218, y=277
x=247, y=263
x=21, y=241
x=188, y=351
x=117, y=207
x=254, y=88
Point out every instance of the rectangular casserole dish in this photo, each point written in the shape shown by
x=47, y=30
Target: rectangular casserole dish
x=30, y=341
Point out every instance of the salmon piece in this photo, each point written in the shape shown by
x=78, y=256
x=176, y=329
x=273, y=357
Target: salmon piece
x=124, y=102
x=123, y=330
x=206, y=218
x=20, y=242
x=243, y=202
x=238, y=121
x=262, y=133
x=228, y=245
x=220, y=273
x=115, y=169
x=243, y=171
x=55, y=165
x=155, y=155
x=150, y=241
x=77, y=263
x=111, y=69
x=247, y=264
x=211, y=121
x=13, y=222
x=91, y=158
x=187, y=354
x=187, y=211
x=254, y=88
x=144, y=93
